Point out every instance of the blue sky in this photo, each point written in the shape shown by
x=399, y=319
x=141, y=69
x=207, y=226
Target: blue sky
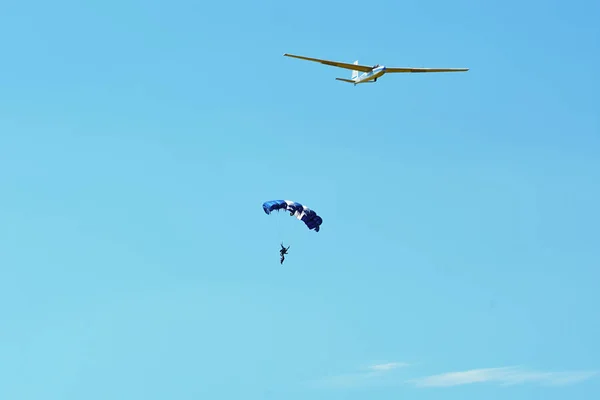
x=458, y=256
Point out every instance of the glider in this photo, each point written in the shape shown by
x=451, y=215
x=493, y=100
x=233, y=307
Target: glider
x=371, y=74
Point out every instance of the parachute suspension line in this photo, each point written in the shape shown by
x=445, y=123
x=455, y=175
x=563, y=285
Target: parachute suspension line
x=281, y=225
x=278, y=227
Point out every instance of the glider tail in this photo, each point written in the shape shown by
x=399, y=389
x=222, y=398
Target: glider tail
x=346, y=80
x=355, y=73
x=353, y=78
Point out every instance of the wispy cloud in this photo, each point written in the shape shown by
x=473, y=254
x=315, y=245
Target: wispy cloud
x=372, y=374
x=503, y=376
x=387, y=366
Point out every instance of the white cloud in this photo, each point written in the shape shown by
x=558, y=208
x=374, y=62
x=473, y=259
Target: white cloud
x=503, y=376
x=373, y=374
x=387, y=366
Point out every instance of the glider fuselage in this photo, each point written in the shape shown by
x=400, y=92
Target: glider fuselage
x=370, y=76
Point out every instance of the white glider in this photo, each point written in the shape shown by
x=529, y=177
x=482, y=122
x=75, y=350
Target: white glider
x=370, y=74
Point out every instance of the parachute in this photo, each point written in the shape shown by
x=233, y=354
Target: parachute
x=303, y=213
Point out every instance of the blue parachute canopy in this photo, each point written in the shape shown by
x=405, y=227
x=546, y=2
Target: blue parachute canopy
x=303, y=213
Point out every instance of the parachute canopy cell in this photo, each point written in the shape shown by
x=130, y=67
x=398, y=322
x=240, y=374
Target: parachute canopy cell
x=303, y=213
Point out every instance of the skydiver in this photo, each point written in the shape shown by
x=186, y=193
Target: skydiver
x=283, y=252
